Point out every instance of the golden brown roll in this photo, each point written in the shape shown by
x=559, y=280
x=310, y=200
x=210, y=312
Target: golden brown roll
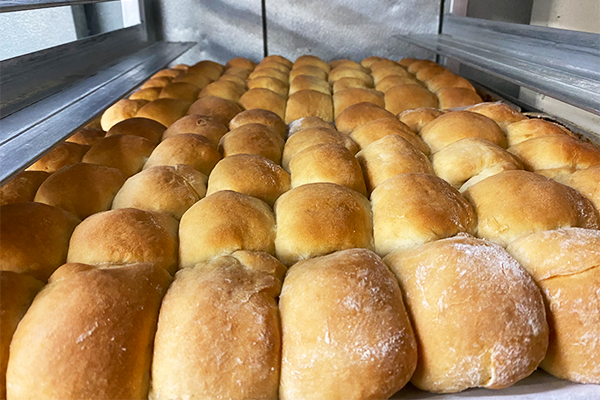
x=456, y=125
x=332, y=163
x=367, y=62
x=181, y=67
x=124, y=152
x=407, y=97
x=211, y=128
x=564, y=264
x=526, y=129
x=187, y=149
x=241, y=62
x=313, y=136
x=218, y=333
x=358, y=115
x=515, y=203
x=238, y=71
x=346, y=333
x=35, y=238
x=274, y=65
x=86, y=136
x=259, y=116
x=390, y=156
x=465, y=158
x=215, y=107
x=165, y=111
x=390, y=70
x=417, y=65
x=125, y=236
x=585, y=181
x=348, y=83
x=310, y=60
x=148, y=94
x=428, y=209
x=279, y=59
x=223, y=223
x=478, y=316
x=250, y=174
x=308, y=70
x=430, y=72
x=383, y=64
x=224, y=89
x=143, y=127
x=256, y=139
x=453, y=97
x=405, y=62
x=380, y=128
x=16, y=294
x=309, y=103
x=347, y=64
x=64, y=154
x=345, y=72
x=501, y=113
x=180, y=90
x=156, y=82
x=417, y=118
x=235, y=79
x=385, y=84
x=273, y=84
x=167, y=73
x=82, y=189
x=270, y=73
x=22, y=188
x=447, y=80
x=210, y=69
x=307, y=82
x=195, y=78
x=308, y=122
x=264, y=99
x=320, y=218
x=97, y=325
x=346, y=98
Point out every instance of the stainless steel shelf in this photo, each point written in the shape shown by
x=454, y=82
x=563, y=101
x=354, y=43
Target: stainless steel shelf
x=558, y=63
x=28, y=134
x=21, y=5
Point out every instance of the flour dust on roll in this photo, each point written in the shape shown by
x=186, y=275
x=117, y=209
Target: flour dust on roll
x=417, y=118
x=273, y=84
x=258, y=116
x=526, y=129
x=165, y=110
x=126, y=153
x=501, y=113
x=380, y=128
x=348, y=83
x=308, y=122
x=564, y=264
x=406, y=97
x=358, y=115
x=218, y=331
x=478, y=316
x=22, y=188
x=585, y=181
x=219, y=109
x=186, y=149
x=256, y=139
x=88, y=334
x=122, y=109
x=309, y=103
x=224, y=89
x=180, y=90
x=35, y=238
x=307, y=82
x=64, y=154
x=345, y=98
x=211, y=128
x=143, y=127
x=345, y=330
x=454, y=97
x=126, y=236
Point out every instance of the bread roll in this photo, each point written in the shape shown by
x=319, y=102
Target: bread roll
x=585, y=181
x=215, y=107
x=346, y=333
x=167, y=73
x=86, y=136
x=35, y=238
x=564, y=264
x=307, y=82
x=125, y=236
x=501, y=113
x=456, y=125
x=417, y=118
x=22, y=188
x=253, y=139
x=478, y=316
x=526, y=129
x=211, y=128
x=279, y=59
x=358, y=115
x=156, y=82
x=345, y=98
x=148, y=94
x=345, y=72
x=417, y=65
x=348, y=83
x=186, y=149
x=238, y=71
x=124, y=152
x=241, y=62
x=309, y=103
x=264, y=99
x=181, y=67
x=430, y=72
x=143, y=127
x=97, y=326
x=258, y=116
x=465, y=158
x=515, y=203
x=332, y=163
x=210, y=69
x=308, y=122
x=273, y=84
x=224, y=89
x=447, y=80
x=274, y=65
x=270, y=73
x=195, y=78
x=407, y=97
x=235, y=79
x=64, y=154
x=391, y=70
x=320, y=218
x=223, y=223
x=180, y=90
x=383, y=64
x=218, y=333
x=380, y=128
x=308, y=70
x=405, y=62
x=385, y=84
x=165, y=111
x=367, y=62
x=311, y=60
x=348, y=64
x=454, y=97
x=388, y=157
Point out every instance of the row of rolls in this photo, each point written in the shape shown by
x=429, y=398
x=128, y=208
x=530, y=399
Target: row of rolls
x=301, y=230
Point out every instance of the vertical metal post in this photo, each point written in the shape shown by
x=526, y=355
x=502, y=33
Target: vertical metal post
x=264, y=26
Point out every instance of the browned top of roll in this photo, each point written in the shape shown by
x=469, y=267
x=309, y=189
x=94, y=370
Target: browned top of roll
x=309, y=103
x=406, y=97
x=143, y=127
x=188, y=149
x=417, y=118
x=379, y=128
x=348, y=83
x=308, y=70
x=311, y=60
x=453, y=97
x=264, y=99
x=124, y=152
x=165, y=111
x=279, y=59
x=273, y=84
x=390, y=81
x=345, y=98
x=86, y=136
x=447, y=80
x=64, y=154
x=224, y=89
x=308, y=122
x=259, y=116
x=180, y=90
x=148, y=94
x=308, y=82
x=501, y=113
x=273, y=65
x=253, y=139
x=215, y=107
x=241, y=62
x=22, y=188
x=526, y=129
x=359, y=114
x=345, y=72
x=211, y=128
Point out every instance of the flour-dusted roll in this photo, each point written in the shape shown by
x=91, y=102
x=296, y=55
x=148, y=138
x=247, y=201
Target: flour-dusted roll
x=278, y=74
x=264, y=99
x=224, y=89
x=126, y=153
x=515, y=203
x=388, y=157
x=390, y=81
x=379, y=128
x=501, y=113
x=82, y=189
x=165, y=110
x=148, y=94
x=143, y=127
x=358, y=115
x=307, y=82
x=456, y=125
x=526, y=129
x=332, y=163
x=64, y=154
x=428, y=209
x=187, y=149
x=86, y=136
x=308, y=70
x=407, y=97
x=348, y=83
x=218, y=332
x=320, y=218
x=258, y=116
x=279, y=59
x=180, y=90
x=35, y=238
x=88, y=334
x=417, y=118
x=273, y=84
x=564, y=264
x=16, y=294
x=309, y=103
x=345, y=98
x=165, y=189
x=346, y=333
x=585, y=181
x=446, y=80
x=122, y=109
x=250, y=174
x=465, y=158
x=125, y=236
x=223, y=223
x=311, y=60
x=256, y=139
x=22, y=188
x=454, y=97
x=308, y=122
x=478, y=316
x=241, y=62
x=215, y=107
x=345, y=72
x=211, y=128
